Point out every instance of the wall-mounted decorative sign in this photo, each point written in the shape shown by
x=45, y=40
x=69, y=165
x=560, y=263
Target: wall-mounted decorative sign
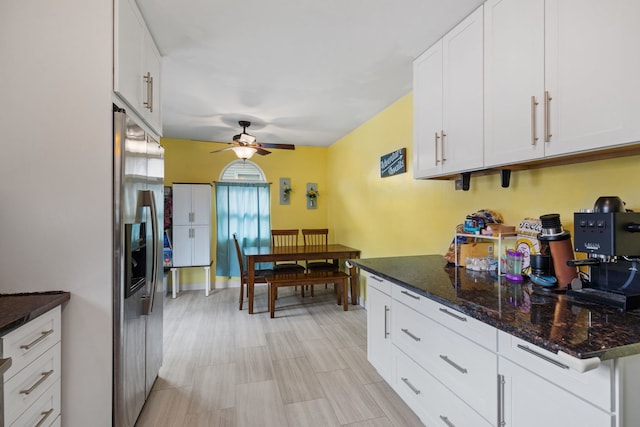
x=312, y=195
x=393, y=163
x=285, y=191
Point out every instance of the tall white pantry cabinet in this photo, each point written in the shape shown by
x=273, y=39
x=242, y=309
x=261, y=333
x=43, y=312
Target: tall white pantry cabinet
x=191, y=225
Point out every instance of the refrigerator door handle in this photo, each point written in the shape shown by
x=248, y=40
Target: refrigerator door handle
x=148, y=200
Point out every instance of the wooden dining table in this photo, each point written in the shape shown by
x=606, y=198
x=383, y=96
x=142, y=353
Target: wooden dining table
x=258, y=254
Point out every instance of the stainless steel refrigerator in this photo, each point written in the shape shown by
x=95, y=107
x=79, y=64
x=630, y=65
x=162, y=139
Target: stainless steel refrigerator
x=138, y=163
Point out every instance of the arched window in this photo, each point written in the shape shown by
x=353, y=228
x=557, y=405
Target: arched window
x=242, y=170
x=243, y=206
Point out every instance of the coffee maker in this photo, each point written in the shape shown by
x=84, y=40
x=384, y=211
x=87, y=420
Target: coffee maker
x=611, y=237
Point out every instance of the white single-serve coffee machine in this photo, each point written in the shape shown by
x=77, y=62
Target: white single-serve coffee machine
x=611, y=237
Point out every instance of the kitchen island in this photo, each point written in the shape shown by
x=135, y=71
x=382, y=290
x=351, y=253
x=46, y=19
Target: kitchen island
x=471, y=348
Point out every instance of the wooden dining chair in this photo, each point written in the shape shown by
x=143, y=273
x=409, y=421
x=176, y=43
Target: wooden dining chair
x=261, y=276
x=286, y=238
x=318, y=237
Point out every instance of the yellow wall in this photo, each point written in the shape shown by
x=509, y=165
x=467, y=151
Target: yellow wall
x=402, y=216
x=399, y=215
x=191, y=161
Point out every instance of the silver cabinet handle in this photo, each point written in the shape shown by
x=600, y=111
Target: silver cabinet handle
x=501, y=421
x=435, y=143
x=406, y=331
x=446, y=421
x=547, y=126
x=413, y=389
x=44, y=377
x=377, y=279
x=542, y=356
x=534, y=137
x=410, y=295
x=35, y=342
x=149, y=82
x=454, y=364
x=45, y=415
x=386, y=326
x=455, y=316
x=442, y=135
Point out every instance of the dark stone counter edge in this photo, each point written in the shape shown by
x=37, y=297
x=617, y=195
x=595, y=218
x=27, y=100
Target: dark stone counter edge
x=52, y=299
x=605, y=354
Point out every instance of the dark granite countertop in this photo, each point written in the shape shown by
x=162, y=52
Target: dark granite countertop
x=549, y=320
x=18, y=309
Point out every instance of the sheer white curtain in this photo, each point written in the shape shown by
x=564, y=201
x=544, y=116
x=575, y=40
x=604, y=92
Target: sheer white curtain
x=244, y=209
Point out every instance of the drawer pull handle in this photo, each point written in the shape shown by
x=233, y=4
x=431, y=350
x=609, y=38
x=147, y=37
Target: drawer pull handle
x=446, y=421
x=455, y=316
x=406, y=331
x=35, y=342
x=454, y=364
x=410, y=295
x=44, y=418
x=542, y=356
x=44, y=377
x=377, y=279
x=413, y=389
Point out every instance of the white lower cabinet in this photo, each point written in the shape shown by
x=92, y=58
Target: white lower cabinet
x=379, y=347
x=465, y=368
x=31, y=388
x=453, y=370
x=528, y=400
x=435, y=404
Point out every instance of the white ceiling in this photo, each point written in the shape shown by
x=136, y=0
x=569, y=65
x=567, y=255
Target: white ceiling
x=305, y=72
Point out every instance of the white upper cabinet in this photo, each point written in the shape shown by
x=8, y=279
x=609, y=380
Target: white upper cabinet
x=560, y=77
x=591, y=71
x=514, y=80
x=137, y=64
x=448, y=102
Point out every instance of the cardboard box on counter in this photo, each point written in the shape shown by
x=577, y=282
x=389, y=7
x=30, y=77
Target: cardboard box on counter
x=475, y=250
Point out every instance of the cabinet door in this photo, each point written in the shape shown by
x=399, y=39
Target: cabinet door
x=182, y=246
x=201, y=247
x=514, y=73
x=127, y=81
x=151, y=83
x=592, y=63
x=530, y=401
x=181, y=204
x=201, y=204
x=427, y=112
x=462, y=77
x=379, y=350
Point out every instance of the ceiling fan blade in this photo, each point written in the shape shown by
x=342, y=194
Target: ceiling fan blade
x=279, y=146
x=222, y=149
x=261, y=151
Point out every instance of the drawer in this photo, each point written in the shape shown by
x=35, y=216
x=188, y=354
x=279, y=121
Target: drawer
x=409, y=298
x=470, y=328
x=25, y=388
x=467, y=369
x=378, y=283
x=45, y=411
x=595, y=386
x=28, y=342
x=412, y=333
x=429, y=399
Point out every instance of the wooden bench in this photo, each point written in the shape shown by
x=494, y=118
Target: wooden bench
x=313, y=278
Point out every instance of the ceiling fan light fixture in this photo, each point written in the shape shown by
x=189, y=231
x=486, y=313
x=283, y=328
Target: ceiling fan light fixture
x=244, y=153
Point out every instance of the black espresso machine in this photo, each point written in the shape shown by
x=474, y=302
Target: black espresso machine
x=611, y=237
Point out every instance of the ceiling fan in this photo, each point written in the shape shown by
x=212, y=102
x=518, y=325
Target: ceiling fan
x=245, y=145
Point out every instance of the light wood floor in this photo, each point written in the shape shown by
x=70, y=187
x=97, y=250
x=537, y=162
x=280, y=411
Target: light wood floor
x=307, y=367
